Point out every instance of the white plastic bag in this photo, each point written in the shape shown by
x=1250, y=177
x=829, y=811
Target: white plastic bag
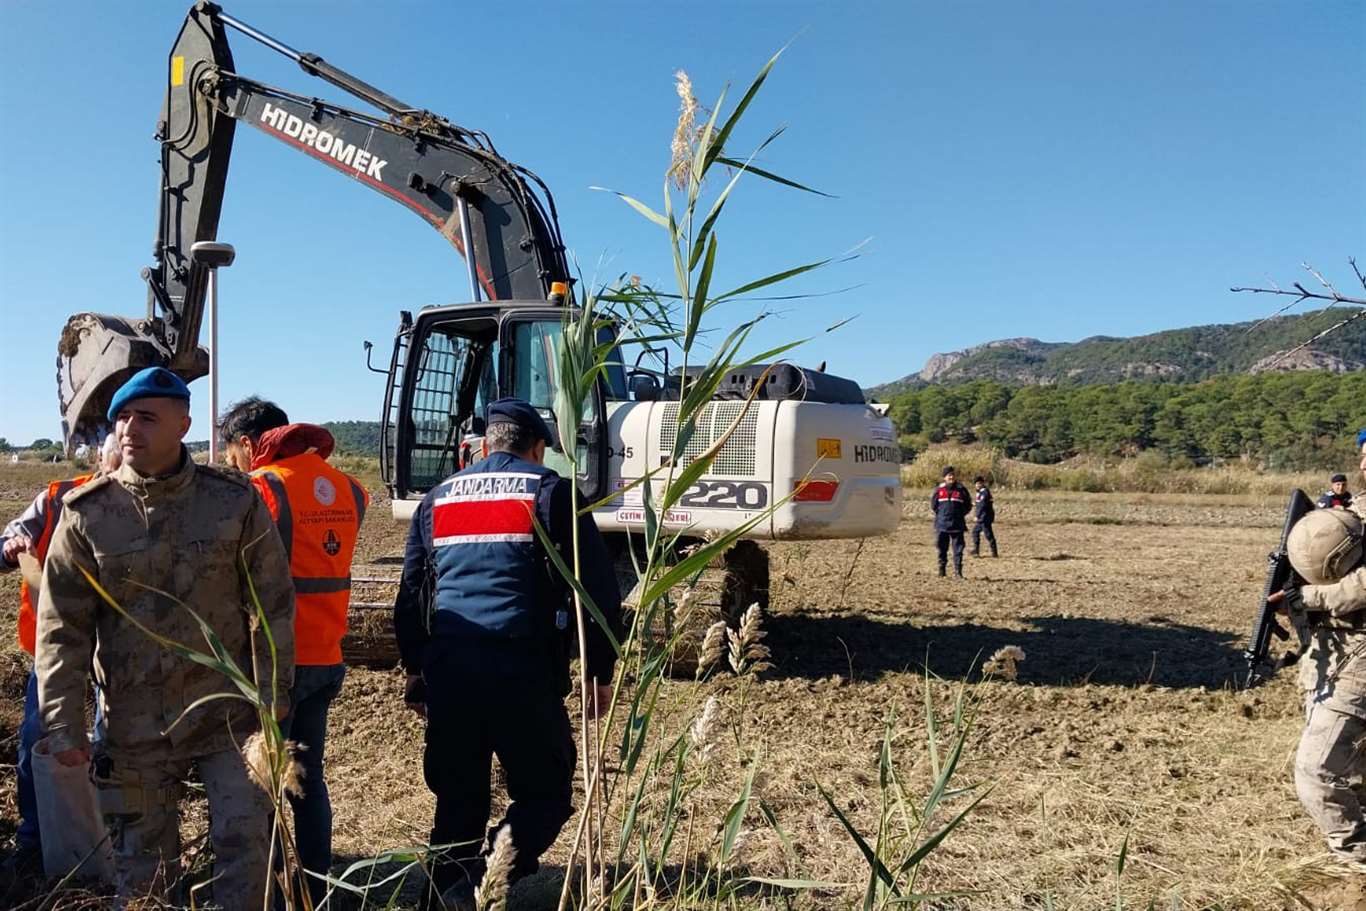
x=69, y=820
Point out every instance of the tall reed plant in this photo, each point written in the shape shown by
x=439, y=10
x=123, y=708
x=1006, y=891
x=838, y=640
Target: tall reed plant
x=664, y=854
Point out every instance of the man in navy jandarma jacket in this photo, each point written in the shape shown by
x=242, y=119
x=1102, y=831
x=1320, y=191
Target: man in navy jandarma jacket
x=950, y=503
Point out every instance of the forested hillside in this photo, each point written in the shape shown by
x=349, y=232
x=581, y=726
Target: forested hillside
x=1178, y=355
x=1305, y=419
x=1280, y=420
x=355, y=437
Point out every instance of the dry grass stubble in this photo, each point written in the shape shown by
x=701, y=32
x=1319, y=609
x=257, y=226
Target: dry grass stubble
x=1122, y=720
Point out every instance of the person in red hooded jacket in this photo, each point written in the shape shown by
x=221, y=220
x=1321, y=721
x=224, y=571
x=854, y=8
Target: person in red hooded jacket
x=318, y=511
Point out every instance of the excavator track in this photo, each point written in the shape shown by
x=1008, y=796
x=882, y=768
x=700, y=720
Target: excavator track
x=369, y=640
x=723, y=591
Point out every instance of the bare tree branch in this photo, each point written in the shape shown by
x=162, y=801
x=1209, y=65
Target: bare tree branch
x=1302, y=294
x=1300, y=347
x=1322, y=281
x=1262, y=322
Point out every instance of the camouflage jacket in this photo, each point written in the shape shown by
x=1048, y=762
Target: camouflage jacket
x=161, y=547
x=1333, y=670
x=1341, y=598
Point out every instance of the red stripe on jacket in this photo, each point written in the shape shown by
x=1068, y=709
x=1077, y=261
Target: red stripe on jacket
x=481, y=517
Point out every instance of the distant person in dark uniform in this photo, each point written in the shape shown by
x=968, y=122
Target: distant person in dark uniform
x=985, y=515
x=1338, y=497
x=950, y=503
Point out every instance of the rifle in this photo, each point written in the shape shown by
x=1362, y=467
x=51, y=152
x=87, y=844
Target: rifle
x=1279, y=575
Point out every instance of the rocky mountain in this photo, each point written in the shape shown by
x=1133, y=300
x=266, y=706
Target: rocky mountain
x=1176, y=355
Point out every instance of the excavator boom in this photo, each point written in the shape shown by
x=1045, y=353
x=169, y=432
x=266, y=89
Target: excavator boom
x=448, y=175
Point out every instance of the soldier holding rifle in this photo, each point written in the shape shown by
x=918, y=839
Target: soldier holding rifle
x=1325, y=597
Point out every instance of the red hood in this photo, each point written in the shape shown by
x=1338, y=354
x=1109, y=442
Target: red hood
x=291, y=440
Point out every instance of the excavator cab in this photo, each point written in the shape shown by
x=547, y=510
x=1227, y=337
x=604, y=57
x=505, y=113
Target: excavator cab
x=449, y=363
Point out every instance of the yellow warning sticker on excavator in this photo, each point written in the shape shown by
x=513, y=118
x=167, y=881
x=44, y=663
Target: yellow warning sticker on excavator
x=827, y=448
x=177, y=70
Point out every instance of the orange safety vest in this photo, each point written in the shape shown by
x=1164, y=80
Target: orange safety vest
x=28, y=611
x=318, y=511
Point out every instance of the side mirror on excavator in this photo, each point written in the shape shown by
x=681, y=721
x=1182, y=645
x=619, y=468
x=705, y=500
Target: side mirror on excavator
x=369, y=347
x=644, y=387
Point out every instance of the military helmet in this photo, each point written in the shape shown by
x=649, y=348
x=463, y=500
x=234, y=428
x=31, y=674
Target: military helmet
x=1325, y=545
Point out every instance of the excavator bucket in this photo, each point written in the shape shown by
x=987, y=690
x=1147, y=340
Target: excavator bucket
x=96, y=355
x=98, y=352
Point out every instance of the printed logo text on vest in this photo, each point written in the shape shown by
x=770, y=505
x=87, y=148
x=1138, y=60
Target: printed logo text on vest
x=323, y=142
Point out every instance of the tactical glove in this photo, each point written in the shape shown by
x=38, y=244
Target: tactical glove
x=1293, y=600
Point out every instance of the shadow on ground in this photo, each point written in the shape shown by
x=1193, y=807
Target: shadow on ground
x=1060, y=651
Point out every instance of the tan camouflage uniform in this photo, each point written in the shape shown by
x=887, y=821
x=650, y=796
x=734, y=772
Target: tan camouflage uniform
x=182, y=535
x=1330, y=767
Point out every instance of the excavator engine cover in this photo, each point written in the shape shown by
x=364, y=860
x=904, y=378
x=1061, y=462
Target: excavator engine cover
x=96, y=355
x=787, y=383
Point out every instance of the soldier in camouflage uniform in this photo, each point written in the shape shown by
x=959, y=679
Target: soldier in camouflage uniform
x=1330, y=768
x=164, y=530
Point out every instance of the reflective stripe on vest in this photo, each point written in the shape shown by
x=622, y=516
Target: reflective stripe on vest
x=284, y=519
x=321, y=585
x=358, y=494
x=28, y=611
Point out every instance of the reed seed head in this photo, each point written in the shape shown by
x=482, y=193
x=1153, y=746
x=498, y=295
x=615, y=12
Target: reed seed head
x=747, y=652
x=703, y=726
x=685, y=132
x=713, y=647
x=492, y=894
x=1004, y=662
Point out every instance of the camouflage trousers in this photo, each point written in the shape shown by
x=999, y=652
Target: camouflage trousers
x=1330, y=764
x=138, y=800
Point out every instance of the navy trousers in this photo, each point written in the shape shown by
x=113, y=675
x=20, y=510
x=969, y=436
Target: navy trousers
x=30, y=732
x=315, y=686
x=942, y=541
x=983, y=527
x=500, y=698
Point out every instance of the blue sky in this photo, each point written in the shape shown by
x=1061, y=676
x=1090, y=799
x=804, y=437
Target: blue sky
x=1054, y=169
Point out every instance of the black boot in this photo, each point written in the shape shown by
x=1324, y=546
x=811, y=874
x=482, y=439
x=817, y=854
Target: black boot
x=941, y=570
x=958, y=569
x=993, y=551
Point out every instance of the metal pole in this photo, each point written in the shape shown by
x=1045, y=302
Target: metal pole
x=212, y=255
x=213, y=366
x=260, y=36
x=317, y=66
x=469, y=248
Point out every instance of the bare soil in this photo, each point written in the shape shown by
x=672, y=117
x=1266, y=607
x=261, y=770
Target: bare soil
x=1125, y=722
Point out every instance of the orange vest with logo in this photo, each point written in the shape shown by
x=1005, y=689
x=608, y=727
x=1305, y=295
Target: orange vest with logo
x=318, y=511
x=28, y=611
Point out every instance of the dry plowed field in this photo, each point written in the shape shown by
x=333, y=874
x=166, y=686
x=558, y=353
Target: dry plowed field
x=1125, y=722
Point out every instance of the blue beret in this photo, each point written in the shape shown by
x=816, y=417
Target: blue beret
x=1361, y=437
x=152, y=383
x=516, y=411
